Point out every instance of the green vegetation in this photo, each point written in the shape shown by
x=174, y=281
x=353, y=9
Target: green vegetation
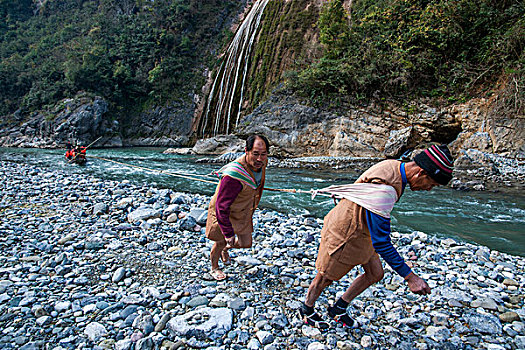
x=280, y=44
x=142, y=53
x=403, y=49
x=134, y=53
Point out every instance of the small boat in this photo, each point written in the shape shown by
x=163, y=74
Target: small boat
x=80, y=159
x=76, y=155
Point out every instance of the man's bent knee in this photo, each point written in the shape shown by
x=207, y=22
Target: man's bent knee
x=244, y=241
x=374, y=276
x=321, y=280
x=220, y=244
x=245, y=244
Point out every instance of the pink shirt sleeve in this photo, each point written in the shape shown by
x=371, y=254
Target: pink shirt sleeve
x=228, y=192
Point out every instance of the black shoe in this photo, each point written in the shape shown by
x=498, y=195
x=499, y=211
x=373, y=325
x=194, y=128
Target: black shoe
x=340, y=315
x=314, y=320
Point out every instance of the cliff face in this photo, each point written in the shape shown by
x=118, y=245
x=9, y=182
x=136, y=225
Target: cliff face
x=79, y=118
x=487, y=146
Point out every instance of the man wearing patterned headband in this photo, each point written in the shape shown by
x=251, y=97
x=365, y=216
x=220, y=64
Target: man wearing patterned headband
x=231, y=208
x=354, y=235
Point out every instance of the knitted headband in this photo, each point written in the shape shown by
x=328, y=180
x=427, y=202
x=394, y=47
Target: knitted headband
x=437, y=162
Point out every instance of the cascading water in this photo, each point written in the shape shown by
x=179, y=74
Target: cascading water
x=226, y=95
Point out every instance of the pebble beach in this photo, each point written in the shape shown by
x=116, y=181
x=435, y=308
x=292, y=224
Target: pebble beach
x=87, y=263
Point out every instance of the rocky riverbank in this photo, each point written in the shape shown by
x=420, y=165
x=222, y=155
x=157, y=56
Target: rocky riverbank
x=99, y=264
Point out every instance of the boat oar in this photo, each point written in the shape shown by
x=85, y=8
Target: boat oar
x=92, y=143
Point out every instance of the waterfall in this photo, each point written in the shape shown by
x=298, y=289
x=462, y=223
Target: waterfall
x=221, y=102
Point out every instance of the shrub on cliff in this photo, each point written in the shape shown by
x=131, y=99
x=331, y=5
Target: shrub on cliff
x=409, y=48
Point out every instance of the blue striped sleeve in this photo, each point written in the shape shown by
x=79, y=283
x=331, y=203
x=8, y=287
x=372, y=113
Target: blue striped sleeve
x=379, y=228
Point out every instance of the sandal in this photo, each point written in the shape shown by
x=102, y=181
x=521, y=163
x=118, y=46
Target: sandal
x=217, y=274
x=225, y=257
x=314, y=320
x=340, y=315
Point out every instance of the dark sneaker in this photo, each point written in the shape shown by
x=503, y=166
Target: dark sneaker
x=340, y=315
x=314, y=320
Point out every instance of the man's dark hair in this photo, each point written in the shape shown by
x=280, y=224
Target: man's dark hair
x=251, y=140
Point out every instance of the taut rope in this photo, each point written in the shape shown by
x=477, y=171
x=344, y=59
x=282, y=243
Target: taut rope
x=185, y=176
x=194, y=177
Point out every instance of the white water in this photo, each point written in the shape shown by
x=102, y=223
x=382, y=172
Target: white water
x=233, y=69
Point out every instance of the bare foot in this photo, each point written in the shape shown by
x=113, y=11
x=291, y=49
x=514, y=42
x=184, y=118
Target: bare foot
x=217, y=274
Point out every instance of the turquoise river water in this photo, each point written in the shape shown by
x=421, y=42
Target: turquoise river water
x=496, y=220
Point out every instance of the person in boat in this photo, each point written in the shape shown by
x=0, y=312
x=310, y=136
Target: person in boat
x=69, y=151
x=79, y=154
x=230, y=213
x=354, y=235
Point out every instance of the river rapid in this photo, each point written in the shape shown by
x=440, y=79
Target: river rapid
x=496, y=220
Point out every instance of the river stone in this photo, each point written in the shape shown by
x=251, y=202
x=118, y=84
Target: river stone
x=4, y=297
x=253, y=344
x=124, y=203
x=143, y=213
x=202, y=323
x=317, y=346
x=37, y=345
x=144, y=323
x=510, y=282
x=486, y=303
x=144, y=344
x=150, y=292
x=70, y=237
x=439, y=334
x=200, y=215
x=264, y=337
x=95, y=330
x=108, y=344
x=38, y=311
x=248, y=313
x=366, y=341
x=236, y=304
x=509, y=317
x=311, y=332
x=100, y=209
x=198, y=301
x=188, y=223
x=62, y=306
x=486, y=324
x=162, y=322
x=248, y=260
x=449, y=293
x=43, y=320
x=220, y=300
x=118, y=275
x=519, y=341
x=94, y=243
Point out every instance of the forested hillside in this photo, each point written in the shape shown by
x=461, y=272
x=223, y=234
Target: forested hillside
x=408, y=49
x=133, y=53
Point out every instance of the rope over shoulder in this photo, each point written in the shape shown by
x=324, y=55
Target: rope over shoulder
x=378, y=198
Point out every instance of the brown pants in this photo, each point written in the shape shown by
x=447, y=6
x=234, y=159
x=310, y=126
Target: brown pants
x=337, y=265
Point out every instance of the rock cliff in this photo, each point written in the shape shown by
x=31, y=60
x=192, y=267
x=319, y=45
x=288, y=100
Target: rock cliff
x=486, y=145
x=80, y=120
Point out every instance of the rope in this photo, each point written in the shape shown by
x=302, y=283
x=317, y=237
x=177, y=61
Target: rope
x=156, y=171
x=194, y=178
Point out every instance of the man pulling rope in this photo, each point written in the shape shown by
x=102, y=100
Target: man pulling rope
x=358, y=229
